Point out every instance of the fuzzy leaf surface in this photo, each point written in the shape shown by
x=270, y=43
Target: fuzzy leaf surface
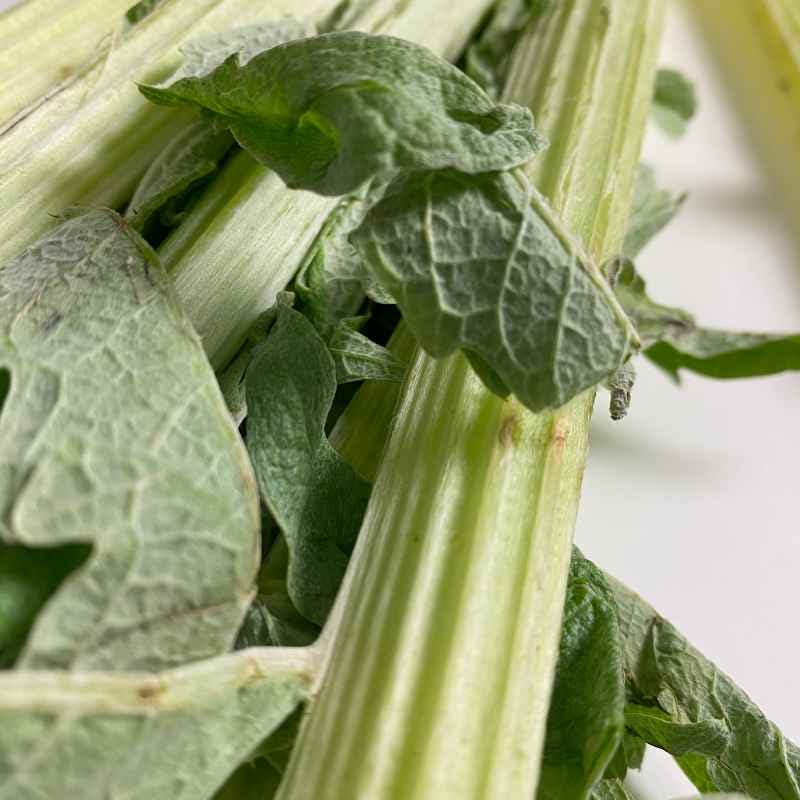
x=194, y=154
x=480, y=263
x=115, y=435
x=174, y=735
x=315, y=497
x=586, y=719
x=331, y=112
x=652, y=208
x=204, y=55
x=674, y=341
x=358, y=358
x=683, y=704
x=611, y=789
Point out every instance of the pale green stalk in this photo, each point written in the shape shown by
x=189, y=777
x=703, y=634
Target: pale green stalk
x=46, y=43
x=444, y=640
x=85, y=693
x=757, y=46
x=249, y=234
x=90, y=143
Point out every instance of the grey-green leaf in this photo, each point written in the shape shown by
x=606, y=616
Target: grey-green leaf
x=115, y=434
x=204, y=55
x=175, y=735
x=358, y=358
x=586, y=719
x=480, y=263
x=674, y=341
x=629, y=755
x=332, y=281
x=193, y=154
x=651, y=210
x=611, y=789
x=674, y=102
x=314, y=495
x=726, y=354
x=685, y=705
x=331, y=112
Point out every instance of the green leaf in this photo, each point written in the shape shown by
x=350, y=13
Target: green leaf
x=313, y=494
x=358, y=358
x=115, y=434
x=141, y=10
x=202, y=56
x=653, y=321
x=651, y=210
x=726, y=354
x=27, y=579
x=174, y=735
x=272, y=619
x=331, y=112
x=484, y=370
x=682, y=703
x=480, y=263
x=674, y=102
x=673, y=340
x=611, y=789
x=706, y=738
x=586, y=719
x=333, y=279
x=629, y=755
x=193, y=154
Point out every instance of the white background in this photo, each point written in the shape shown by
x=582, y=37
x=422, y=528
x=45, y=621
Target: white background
x=692, y=500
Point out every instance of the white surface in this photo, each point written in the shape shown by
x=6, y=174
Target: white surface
x=692, y=500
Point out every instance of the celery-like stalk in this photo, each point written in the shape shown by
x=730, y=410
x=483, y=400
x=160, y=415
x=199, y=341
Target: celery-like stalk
x=90, y=143
x=757, y=45
x=247, y=237
x=46, y=43
x=443, y=642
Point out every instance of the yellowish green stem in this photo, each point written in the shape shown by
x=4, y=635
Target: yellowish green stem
x=757, y=46
x=44, y=44
x=90, y=143
x=443, y=642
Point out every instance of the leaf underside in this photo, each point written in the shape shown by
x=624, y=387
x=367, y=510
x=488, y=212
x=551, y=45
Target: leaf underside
x=173, y=736
x=115, y=434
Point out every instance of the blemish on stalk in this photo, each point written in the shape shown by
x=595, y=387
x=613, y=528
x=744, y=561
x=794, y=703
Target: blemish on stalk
x=150, y=691
x=509, y=433
x=560, y=433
